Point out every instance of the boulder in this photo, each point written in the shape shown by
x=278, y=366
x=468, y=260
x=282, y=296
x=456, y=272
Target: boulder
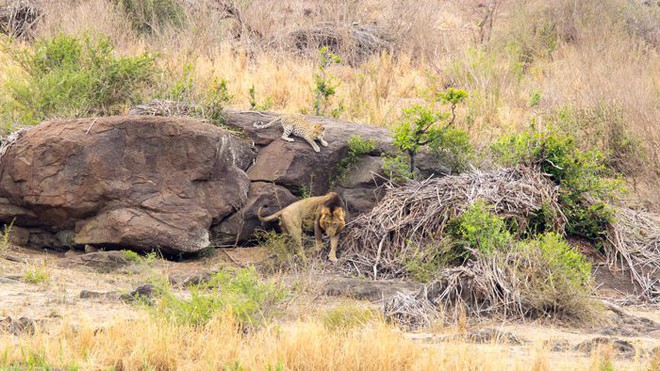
x=172, y=183
x=295, y=165
x=362, y=185
x=240, y=226
x=136, y=182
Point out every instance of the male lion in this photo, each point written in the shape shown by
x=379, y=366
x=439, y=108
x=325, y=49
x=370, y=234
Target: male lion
x=329, y=216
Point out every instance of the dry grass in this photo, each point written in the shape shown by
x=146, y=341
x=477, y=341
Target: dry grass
x=304, y=345
x=434, y=48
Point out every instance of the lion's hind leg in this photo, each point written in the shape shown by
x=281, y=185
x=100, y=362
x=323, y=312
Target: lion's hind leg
x=294, y=229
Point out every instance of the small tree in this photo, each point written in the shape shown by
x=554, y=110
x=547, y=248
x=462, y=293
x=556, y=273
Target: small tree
x=325, y=85
x=418, y=126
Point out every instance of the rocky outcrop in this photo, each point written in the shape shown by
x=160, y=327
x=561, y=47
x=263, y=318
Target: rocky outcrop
x=173, y=184
x=295, y=165
x=138, y=182
x=283, y=171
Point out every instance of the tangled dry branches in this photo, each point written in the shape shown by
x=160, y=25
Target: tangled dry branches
x=167, y=108
x=18, y=17
x=635, y=239
x=509, y=284
x=354, y=42
x=413, y=217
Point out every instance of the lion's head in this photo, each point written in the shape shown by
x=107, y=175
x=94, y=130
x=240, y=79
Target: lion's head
x=332, y=221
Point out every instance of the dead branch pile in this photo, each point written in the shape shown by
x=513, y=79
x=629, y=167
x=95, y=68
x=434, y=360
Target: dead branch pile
x=506, y=285
x=167, y=108
x=414, y=217
x=635, y=239
x=409, y=311
x=18, y=17
x=7, y=142
x=353, y=42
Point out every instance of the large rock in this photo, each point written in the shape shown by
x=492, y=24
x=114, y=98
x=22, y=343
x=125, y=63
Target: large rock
x=362, y=185
x=135, y=181
x=295, y=165
x=175, y=184
x=284, y=169
x=240, y=226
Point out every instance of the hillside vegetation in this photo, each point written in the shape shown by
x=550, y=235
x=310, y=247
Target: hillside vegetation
x=555, y=103
x=590, y=67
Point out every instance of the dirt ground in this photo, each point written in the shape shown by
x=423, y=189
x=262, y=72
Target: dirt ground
x=76, y=289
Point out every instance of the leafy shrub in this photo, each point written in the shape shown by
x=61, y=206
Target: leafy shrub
x=603, y=127
x=242, y=293
x=558, y=278
x=347, y=317
x=215, y=99
x=424, y=265
x=397, y=168
x=325, y=84
x=206, y=100
x=254, y=103
x=418, y=128
x=357, y=147
x=580, y=174
x=147, y=16
x=5, y=239
x=36, y=274
x=453, y=148
x=477, y=228
x=131, y=256
x=71, y=77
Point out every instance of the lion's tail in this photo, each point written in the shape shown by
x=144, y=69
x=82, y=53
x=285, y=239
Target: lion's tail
x=268, y=218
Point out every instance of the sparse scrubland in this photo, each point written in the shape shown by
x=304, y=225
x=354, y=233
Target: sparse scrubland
x=568, y=89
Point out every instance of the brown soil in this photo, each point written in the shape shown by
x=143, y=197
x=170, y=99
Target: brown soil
x=58, y=299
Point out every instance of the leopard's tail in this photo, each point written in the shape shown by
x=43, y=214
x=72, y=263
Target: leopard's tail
x=261, y=125
x=268, y=218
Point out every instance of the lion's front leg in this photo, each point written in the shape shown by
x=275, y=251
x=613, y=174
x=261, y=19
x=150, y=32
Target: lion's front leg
x=334, y=241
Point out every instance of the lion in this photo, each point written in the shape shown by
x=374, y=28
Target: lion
x=329, y=216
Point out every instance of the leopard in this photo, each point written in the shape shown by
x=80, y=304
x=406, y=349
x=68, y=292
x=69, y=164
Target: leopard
x=328, y=212
x=299, y=126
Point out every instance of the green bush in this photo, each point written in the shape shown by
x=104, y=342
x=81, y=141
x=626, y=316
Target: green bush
x=215, y=99
x=580, y=174
x=36, y=274
x=419, y=127
x=453, y=148
x=131, y=256
x=5, y=239
x=347, y=317
x=424, y=265
x=557, y=278
x=603, y=127
x=254, y=103
x=147, y=16
x=325, y=85
x=416, y=129
x=251, y=300
x=397, y=168
x=477, y=228
x=68, y=76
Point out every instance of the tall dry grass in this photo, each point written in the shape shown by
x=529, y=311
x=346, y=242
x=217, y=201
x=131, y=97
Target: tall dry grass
x=303, y=345
x=573, y=53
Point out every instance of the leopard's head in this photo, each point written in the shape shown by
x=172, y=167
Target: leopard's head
x=318, y=131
